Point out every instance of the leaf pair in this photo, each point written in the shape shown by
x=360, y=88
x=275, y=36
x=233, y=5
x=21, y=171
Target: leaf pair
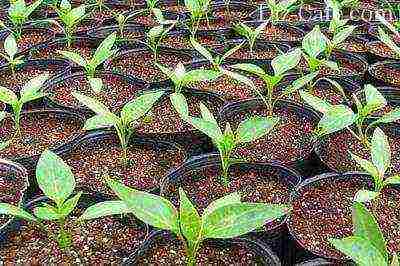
x=280, y=8
x=69, y=16
x=367, y=246
x=11, y=50
x=19, y=12
x=250, y=34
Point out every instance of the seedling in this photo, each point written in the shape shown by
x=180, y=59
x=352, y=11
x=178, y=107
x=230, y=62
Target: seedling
x=32, y=90
x=339, y=117
x=125, y=123
x=182, y=78
x=198, y=10
x=250, y=34
x=218, y=60
x=19, y=14
x=368, y=244
x=11, y=50
x=386, y=39
x=155, y=36
x=281, y=65
x=280, y=8
x=103, y=52
x=248, y=131
x=122, y=20
x=377, y=167
x=57, y=182
x=70, y=18
x=224, y=218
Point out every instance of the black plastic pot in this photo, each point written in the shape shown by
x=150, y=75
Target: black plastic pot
x=138, y=32
x=60, y=79
x=135, y=141
x=193, y=140
x=20, y=172
x=262, y=251
x=233, y=6
x=374, y=57
x=276, y=233
x=378, y=77
x=231, y=110
x=299, y=250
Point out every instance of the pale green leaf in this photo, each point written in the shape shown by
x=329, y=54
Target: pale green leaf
x=315, y=102
x=374, y=99
x=211, y=129
x=365, y=196
x=393, y=180
x=285, y=62
x=336, y=118
x=32, y=90
x=47, y=213
x=7, y=96
x=104, y=51
x=380, y=151
x=105, y=208
x=255, y=127
x=96, y=84
x=180, y=104
x=390, y=117
x=343, y=34
x=8, y=209
x=251, y=68
x=199, y=75
x=74, y=57
x=69, y=205
x=366, y=165
x=314, y=43
x=226, y=200
x=10, y=46
x=300, y=83
x=93, y=104
x=189, y=218
x=202, y=50
x=101, y=121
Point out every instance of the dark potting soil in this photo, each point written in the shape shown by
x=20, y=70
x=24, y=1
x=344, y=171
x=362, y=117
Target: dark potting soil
x=387, y=74
x=83, y=48
x=346, y=68
x=163, y=118
x=204, y=186
x=97, y=242
x=261, y=53
x=354, y=45
x=234, y=14
x=31, y=37
x=289, y=141
x=140, y=64
x=335, y=150
x=324, y=211
x=382, y=50
x=183, y=42
x=214, y=24
x=172, y=252
x=92, y=160
x=280, y=34
x=39, y=131
x=116, y=92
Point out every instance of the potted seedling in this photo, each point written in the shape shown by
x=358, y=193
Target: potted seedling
x=367, y=244
x=225, y=218
x=357, y=126
x=250, y=34
x=125, y=123
x=103, y=52
x=279, y=9
x=31, y=91
x=155, y=36
x=57, y=182
x=198, y=10
x=11, y=50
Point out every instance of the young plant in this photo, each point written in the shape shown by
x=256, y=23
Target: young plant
x=198, y=10
x=314, y=44
x=103, y=52
x=367, y=246
x=125, y=123
x=57, y=182
x=386, y=39
x=32, y=90
x=250, y=34
x=218, y=60
x=11, y=50
x=19, y=13
x=155, y=36
x=122, y=20
x=226, y=142
x=280, y=65
x=280, y=8
x=224, y=218
x=339, y=117
x=377, y=167
x=70, y=18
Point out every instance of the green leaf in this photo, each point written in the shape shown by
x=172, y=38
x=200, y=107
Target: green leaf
x=199, y=75
x=366, y=165
x=15, y=211
x=74, y=57
x=2, y=115
x=93, y=104
x=206, y=114
x=330, y=64
x=300, y=83
x=236, y=219
x=359, y=250
x=365, y=196
x=96, y=84
x=374, y=99
x=209, y=128
x=251, y=68
x=380, y=151
x=202, y=50
x=32, y=7
x=10, y=46
x=366, y=226
x=105, y=208
x=189, y=218
x=179, y=102
x=336, y=118
x=393, y=180
x=47, y=213
x=390, y=117
x=170, y=74
x=285, y=62
x=231, y=51
x=240, y=78
x=155, y=32
x=101, y=121
x=255, y=127
x=395, y=260
x=314, y=42
x=54, y=177
x=32, y=90
x=69, y=205
x=226, y=200
x=140, y=106
x=7, y=96
x=104, y=51
x=149, y=208
x=315, y=102
x=343, y=34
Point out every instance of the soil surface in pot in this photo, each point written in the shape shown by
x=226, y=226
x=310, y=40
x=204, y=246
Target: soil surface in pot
x=31, y=37
x=95, y=158
x=335, y=150
x=236, y=13
x=289, y=141
x=12, y=186
x=180, y=41
x=324, y=211
x=140, y=64
x=163, y=118
x=101, y=241
x=382, y=50
x=259, y=53
x=116, y=92
x=205, y=185
x=387, y=73
x=83, y=47
x=172, y=252
x=39, y=131
x=280, y=34
x=354, y=45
